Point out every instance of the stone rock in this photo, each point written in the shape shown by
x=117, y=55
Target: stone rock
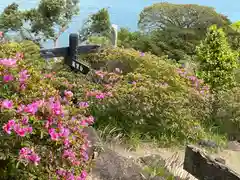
x=95, y=142
x=152, y=161
x=111, y=166
x=208, y=143
x=233, y=145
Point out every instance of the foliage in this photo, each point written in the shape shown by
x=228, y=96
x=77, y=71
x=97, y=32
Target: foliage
x=42, y=130
x=97, y=24
x=101, y=40
x=228, y=114
x=233, y=35
x=217, y=60
x=191, y=16
x=149, y=97
x=10, y=19
x=40, y=23
x=171, y=29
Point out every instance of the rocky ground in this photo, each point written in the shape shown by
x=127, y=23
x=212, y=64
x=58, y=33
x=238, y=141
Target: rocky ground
x=115, y=162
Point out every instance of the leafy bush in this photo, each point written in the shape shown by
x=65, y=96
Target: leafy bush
x=228, y=114
x=151, y=97
x=217, y=60
x=42, y=131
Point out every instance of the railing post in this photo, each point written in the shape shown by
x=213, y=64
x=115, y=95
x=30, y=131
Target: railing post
x=73, y=45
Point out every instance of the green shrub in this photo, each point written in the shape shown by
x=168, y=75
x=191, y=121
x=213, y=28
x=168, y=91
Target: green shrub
x=228, y=114
x=150, y=98
x=217, y=61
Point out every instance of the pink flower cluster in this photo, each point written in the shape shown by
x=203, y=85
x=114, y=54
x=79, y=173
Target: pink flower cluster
x=62, y=133
x=54, y=107
x=98, y=94
x=19, y=128
x=83, y=104
x=30, y=108
x=7, y=104
x=87, y=121
x=7, y=78
x=68, y=94
x=70, y=155
x=12, y=63
x=68, y=175
x=51, y=118
x=100, y=74
x=196, y=83
x=29, y=155
x=9, y=63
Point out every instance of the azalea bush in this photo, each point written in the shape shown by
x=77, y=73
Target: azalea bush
x=42, y=130
x=149, y=97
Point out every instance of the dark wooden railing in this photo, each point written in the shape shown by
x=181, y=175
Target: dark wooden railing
x=70, y=54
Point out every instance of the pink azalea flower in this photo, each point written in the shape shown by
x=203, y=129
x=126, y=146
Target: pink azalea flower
x=7, y=104
x=83, y=104
x=90, y=120
x=8, y=78
x=34, y=158
x=100, y=96
x=68, y=94
x=7, y=128
x=84, y=174
x=54, y=135
x=23, y=76
x=25, y=120
x=20, y=108
x=8, y=62
x=29, y=155
x=64, y=132
x=31, y=108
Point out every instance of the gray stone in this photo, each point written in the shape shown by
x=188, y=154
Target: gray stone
x=111, y=166
x=208, y=143
x=152, y=161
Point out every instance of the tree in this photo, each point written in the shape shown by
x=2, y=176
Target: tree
x=51, y=15
x=217, y=61
x=176, y=29
x=11, y=18
x=233, y=33
x=162, y=15
x=97, y=24
x=47, y=21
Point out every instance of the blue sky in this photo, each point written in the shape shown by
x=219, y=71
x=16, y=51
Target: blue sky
x=125, y=12
x=230, y=8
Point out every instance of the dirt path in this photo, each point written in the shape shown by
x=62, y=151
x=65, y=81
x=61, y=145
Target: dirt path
x=175, y=156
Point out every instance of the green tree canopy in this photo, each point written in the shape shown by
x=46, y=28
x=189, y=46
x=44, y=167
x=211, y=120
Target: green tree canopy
x=47, y=21
x=11, y=18
x=97, y=24
x=162, y=15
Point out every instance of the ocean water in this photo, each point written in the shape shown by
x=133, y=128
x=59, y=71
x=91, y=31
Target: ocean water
x=124, y=13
